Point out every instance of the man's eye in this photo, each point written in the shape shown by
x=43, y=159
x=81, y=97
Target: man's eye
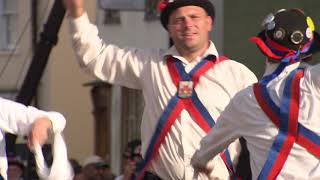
x=195, y=17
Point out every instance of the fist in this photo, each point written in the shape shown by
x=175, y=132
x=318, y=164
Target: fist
x=39, y=132
x=74, y=7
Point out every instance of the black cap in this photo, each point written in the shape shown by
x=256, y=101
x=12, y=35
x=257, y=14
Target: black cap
x=290, y=28
x=171, y=6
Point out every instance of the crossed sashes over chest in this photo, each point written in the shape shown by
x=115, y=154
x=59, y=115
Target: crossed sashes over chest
x=187, y=99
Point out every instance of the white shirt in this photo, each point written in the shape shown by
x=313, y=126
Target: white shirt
x=146, y=69
x=244, y=117
x=16, y=118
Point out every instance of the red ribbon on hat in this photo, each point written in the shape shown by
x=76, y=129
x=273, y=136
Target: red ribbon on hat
x=162, y=4
x=269, y=52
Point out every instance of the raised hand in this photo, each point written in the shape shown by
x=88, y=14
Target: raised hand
x=39, y=132
x=74, y=7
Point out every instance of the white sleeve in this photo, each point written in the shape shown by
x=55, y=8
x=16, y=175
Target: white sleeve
x=313, y=76
x=225, y=132
x=16, y=118
x=244, y=77
x=107, y=62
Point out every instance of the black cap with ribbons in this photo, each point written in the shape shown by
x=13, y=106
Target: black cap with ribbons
x=288, y=31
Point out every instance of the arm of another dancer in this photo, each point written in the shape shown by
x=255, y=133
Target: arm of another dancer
x=226, y=131
x=22, y=120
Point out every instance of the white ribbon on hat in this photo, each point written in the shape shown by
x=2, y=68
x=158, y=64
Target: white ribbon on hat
x=61, y=168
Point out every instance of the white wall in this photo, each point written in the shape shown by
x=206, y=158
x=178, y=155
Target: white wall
x=218, y=26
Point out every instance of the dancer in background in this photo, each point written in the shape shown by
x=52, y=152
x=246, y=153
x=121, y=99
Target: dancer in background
x=279, y=115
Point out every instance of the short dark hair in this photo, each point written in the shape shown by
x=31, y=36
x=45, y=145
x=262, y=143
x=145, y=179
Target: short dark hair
x=131, y=146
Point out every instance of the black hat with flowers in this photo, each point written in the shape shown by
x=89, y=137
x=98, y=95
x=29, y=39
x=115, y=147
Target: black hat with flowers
x=167, y=7
x=288, y=32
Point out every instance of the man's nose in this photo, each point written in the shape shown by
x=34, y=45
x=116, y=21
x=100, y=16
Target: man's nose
x=188, y=22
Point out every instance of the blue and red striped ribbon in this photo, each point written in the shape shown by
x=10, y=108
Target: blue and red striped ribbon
x=193, y=105
x=285, y=118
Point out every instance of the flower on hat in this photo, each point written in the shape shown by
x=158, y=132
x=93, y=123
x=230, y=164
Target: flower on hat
x=310, y=23
x=163, y=4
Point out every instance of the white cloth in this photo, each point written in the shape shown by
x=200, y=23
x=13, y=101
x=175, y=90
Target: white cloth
x=61, y=167
x=244, y=117
x=146, y=69
x=16, y=118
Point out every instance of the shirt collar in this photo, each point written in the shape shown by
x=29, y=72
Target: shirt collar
x=212, y=50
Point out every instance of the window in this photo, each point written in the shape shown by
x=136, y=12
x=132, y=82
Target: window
x=8, y=19
x=111, y=16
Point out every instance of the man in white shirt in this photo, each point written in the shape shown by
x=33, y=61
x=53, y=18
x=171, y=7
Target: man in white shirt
x=287, y=98
x=185, y=87
x=18, y=119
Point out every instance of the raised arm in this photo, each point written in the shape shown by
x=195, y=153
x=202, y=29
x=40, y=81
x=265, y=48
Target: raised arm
x=22, y=120
x=106, y=61
x=74, y=8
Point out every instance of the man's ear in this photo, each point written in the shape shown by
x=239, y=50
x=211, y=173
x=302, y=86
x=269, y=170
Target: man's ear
x=209, y=23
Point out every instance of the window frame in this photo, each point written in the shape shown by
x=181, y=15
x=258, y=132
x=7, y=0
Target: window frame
x=8, y=24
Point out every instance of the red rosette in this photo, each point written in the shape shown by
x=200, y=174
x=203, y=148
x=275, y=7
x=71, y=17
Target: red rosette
x=162, y=4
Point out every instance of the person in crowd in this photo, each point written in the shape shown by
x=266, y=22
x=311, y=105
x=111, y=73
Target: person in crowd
x=15, y=168
x=92, y=169
x=77, y=168
x=133, y=158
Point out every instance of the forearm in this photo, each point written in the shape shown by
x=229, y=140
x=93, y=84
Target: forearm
x=87, y=45
x=218, y=139
x=209, y=149
x=75, y=8
x=18, y=119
